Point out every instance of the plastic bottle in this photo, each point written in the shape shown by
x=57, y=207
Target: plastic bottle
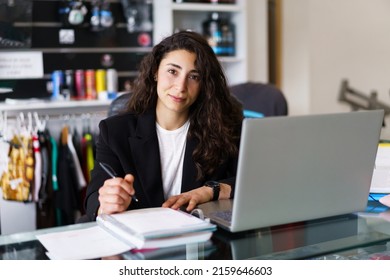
x=212, y=32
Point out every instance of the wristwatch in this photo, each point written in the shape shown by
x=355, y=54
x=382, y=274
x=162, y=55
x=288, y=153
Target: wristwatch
x=216, y=188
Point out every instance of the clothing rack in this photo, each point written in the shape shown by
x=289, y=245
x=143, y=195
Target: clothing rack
x=54, y=122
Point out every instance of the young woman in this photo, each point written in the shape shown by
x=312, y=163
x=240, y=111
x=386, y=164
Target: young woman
x=177, y=144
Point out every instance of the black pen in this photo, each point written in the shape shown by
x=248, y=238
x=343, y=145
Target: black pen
x=111, y=172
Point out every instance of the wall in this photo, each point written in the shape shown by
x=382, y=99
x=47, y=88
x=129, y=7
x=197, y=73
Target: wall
x=327, y=41
x=257, y=45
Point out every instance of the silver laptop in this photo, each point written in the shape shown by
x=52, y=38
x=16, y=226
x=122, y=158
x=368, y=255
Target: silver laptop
x=299, y=168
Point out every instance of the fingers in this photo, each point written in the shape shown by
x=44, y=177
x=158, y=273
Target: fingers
x=191, y=205
x=191, y=199
x=177, y=201
x=115, y=194
x=117, y=186
x=129, y=186
x=113, y=200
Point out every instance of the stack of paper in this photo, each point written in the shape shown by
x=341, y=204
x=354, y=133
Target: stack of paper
x=156, y=227
x=119, y=233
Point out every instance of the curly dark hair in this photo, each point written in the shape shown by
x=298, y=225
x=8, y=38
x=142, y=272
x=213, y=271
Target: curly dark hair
x=215, y=117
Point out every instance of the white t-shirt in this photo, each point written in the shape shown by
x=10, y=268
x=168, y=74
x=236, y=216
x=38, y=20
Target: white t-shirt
x=172, y=144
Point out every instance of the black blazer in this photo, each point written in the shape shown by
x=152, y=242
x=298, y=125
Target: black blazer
x=129, y=144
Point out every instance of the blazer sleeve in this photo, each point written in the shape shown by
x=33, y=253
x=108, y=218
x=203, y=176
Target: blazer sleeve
x=104, y=153
x=231, y=169
x=230, y=178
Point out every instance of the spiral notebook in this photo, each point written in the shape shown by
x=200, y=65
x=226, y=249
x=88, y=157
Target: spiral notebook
x=299, y=168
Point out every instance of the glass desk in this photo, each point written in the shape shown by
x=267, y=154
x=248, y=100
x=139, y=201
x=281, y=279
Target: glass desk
x=364, y=235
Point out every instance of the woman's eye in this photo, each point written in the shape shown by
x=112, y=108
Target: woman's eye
x=194, y=77
x=172, y=71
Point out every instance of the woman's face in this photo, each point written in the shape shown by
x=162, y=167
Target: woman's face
x=178, y=82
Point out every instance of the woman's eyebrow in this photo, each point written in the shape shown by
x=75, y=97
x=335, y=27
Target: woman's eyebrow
x=178, y=66
x=174, y=65
x=194, y=71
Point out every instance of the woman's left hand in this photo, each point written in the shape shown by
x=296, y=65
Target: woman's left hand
x=192, y=198
x=195, y=197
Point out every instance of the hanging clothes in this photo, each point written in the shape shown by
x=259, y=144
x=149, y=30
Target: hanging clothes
x=89, y=153
x=37, y=167
x=52, y=173
x=4, y=150
x=76, y=139
x=17, y=182
x=79, y=171
x=54, y=161
x=67, y=197
x=46, y=216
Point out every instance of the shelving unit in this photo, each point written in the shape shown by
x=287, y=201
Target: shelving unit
x=250, y=62
x=170, y=16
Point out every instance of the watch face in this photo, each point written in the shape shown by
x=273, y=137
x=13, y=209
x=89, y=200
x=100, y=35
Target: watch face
x=212, y=183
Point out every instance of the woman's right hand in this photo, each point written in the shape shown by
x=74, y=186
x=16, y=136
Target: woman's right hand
x=116, y=195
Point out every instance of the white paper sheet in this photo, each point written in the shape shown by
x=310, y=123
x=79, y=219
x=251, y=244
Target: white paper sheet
x=89, y=243
x=21, y=65
x=380, y=182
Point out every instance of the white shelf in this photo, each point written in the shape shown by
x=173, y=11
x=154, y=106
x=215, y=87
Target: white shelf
x=206, y=7
x=47, y=107
x=229, y=59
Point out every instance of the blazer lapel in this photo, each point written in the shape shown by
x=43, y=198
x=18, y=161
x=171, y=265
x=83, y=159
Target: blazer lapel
x=189, y=171
x=146, y=156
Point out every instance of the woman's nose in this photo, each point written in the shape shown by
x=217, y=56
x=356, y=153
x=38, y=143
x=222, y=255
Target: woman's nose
x=181, y=83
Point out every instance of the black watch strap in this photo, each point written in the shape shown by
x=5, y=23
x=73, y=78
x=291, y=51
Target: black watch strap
x=216, y=188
